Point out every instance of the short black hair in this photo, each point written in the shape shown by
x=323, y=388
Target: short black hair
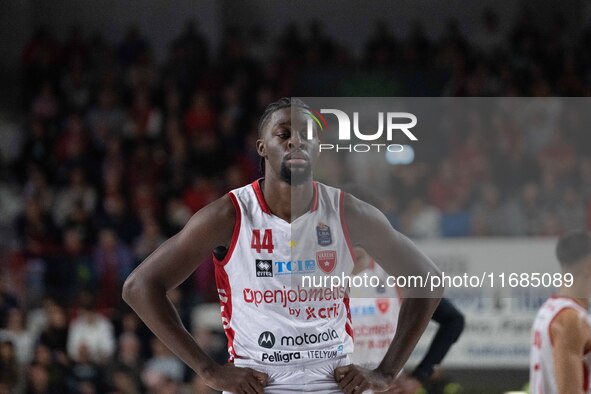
x=275, y=106
x=572, y=248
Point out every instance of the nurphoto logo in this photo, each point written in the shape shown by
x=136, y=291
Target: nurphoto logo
x=392, y=123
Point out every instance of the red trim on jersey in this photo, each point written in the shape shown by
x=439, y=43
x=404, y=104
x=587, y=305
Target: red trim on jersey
x=575, y=300
x=260, y=197
x=225, y=295
x=348, y=327
x=235, y=233
x=344, y=223
x=314, y=197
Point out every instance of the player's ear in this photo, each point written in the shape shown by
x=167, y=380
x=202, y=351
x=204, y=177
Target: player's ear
x=261, y=149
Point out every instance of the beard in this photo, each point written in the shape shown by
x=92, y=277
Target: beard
x=295, y=178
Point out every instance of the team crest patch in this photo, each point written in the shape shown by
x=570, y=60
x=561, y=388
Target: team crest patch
x=327, y=260
x=383, y=304
x=323, y=234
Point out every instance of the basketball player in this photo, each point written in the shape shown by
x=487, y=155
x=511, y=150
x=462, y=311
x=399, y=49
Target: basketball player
x=374, y=311
x=282, y=338
x=561, y=335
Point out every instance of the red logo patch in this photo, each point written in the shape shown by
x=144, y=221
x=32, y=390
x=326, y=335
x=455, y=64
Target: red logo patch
x=383, y=304
x=326, y=260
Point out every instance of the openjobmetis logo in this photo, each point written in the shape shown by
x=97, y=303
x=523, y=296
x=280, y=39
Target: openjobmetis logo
x=394, y=122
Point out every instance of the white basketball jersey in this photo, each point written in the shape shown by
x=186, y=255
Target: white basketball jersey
x=268, y=316
x=542, y=373
x=374, y=311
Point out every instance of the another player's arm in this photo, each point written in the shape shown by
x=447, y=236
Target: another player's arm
x=171, y=264
x=370, y=229
x=451, y=325
x=569, y=335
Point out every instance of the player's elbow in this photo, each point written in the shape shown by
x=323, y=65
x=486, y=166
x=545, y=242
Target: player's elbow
x=132, y=289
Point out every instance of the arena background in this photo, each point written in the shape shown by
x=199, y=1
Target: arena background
x=120, y=119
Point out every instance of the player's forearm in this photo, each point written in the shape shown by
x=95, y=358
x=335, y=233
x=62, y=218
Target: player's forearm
x=414, y=316
x=152, y=305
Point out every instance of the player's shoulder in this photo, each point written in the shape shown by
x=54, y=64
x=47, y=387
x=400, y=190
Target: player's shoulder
x=249, y=188
x=569, y=323
x=569, y=316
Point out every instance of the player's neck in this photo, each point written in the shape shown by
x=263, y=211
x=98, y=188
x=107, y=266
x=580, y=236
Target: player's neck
x=578, y=292
x=287, y=201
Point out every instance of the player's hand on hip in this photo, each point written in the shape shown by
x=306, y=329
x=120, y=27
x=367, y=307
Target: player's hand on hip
x=238, y=380
x=353, y=379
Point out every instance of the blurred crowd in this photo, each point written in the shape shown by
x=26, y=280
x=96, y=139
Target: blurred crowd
x=119, y=151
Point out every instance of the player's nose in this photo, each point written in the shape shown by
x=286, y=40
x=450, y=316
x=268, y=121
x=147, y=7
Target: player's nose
x=296, y=141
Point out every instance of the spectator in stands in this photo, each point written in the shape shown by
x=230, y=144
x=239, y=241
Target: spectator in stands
x=177, y=215
x=91, y=335
x=123, y=383
x=200, y=117
x=115, y=215
x=7, y=301
x=456, y=220
x=571, y=212
x=9, y=366
x=75, y=87
x=551, y=191
x=38, y=187
x=149, y=240
x=80, y=221
x=55, y=335
x=85, y=374
x=144, y=120
x=76, y=192
x=37, y=318
x=421, y=220
x=38, y=380
x=56, y=365
x=128, y=361
x=200, y=192
x=16, y=333
x=71, y=149
x=488, y=214
x=36, y=148
x=45, y=105
x=524, y=212
x=106, y=112
x=113, y=261
x=162, y=367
